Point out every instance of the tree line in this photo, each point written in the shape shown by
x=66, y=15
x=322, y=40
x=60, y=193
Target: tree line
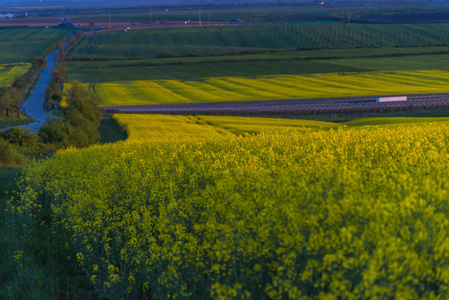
x=77, y=125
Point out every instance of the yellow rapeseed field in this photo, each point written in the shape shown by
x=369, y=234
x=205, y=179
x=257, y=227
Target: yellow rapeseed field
x=272, y=87
x=162, y=127
x=8, y=73
x=295, y=214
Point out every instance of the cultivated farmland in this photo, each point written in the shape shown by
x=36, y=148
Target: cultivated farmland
x=284, y=74
x=225, y=40
x=8, y=73
x=20, y=45
x=159, y=127
x=271, y=87
x=290, y=214
x=212, y=207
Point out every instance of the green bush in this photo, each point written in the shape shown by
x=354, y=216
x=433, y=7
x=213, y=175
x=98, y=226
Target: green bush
x=9, y=156
x=19, y=136
x=55, y=131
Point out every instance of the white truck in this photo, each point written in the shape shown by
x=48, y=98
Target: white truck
x=391, y=99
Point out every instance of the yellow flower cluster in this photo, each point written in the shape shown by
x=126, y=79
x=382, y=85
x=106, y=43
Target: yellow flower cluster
x=345, y=213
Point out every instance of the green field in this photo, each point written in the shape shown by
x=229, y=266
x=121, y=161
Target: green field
x=20, y=45
x=8, y=73
x=273, y=75
x=225, y=40
x=321, y=54
x=203, y=71
x=126, y=78
x=104, y=72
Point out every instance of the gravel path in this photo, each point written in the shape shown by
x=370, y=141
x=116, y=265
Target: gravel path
x=33, y=107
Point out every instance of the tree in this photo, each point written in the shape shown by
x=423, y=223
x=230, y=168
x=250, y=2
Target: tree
x=5, y=103
x=16, y=99
x=19, y=136
x=79, y=126
x=55, y=131
x=10, y=99
x=83, y=114
x=37, y=62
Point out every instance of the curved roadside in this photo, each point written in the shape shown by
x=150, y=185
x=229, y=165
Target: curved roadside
x=33, y=107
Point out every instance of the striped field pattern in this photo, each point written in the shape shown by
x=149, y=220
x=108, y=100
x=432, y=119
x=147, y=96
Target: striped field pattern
x=271, y=87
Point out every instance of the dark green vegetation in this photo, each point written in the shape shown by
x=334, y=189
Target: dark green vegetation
x=244, y=39
x=20, y=45
x=111, y=131
x=12, y=123
x=279, y=66
x=202, y=70
x=79, y=125
x=13, y=144
x=7, y=183
x=32, y=266
x=127, y=55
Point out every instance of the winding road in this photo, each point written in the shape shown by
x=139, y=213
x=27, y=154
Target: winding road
x=33, y=107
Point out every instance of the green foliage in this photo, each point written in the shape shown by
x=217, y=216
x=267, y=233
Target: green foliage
x=54, y=131
x=347, y=213
x=19, y=136
x=12, y=98
x=79, y=126
x=8, y=123
x=59, y=72
x=32, y=266
x=10, y=156
x=111, y=131
x=37, y=62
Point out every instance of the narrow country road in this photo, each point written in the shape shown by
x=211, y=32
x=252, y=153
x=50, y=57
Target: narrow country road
x=33, y=107
x=356, y=104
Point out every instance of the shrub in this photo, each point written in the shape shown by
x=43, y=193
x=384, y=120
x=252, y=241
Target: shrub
x=9, y=156
x=19, y=136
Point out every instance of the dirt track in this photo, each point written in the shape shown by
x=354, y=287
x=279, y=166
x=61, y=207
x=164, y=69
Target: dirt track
x=289, y=107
